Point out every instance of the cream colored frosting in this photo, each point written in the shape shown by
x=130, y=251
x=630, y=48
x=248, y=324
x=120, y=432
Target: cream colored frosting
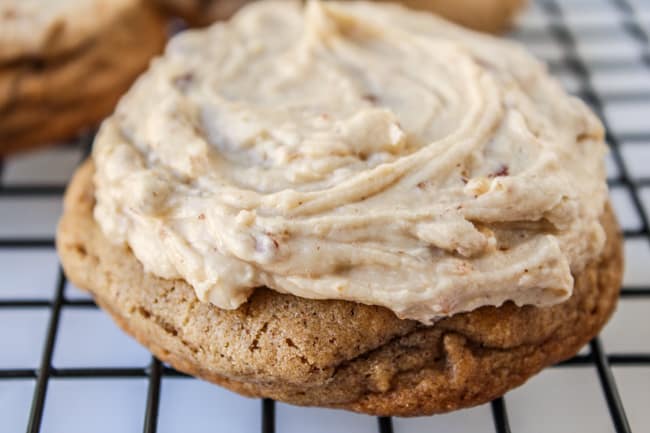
x=40, y=27
x=354, y=151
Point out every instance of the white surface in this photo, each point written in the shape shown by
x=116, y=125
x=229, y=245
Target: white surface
x=547, y=50
x=31, y=217
x=94, y=406
x=194, y=406
x=569, y=81
x=632, y=81
x=22, y=333
x=560, y=400
x=610, y=50
x=634, y=386
x=28, y=273
x=72, y=292
x=628, y=117
x=645, y=200
x=629, y=329
x=49, y=166
x=591, y=13
x=293, y=419
x=637, y=263
x=637, y=159
x=627, y=215
x=15, y=401
x=612, y=168
x=103, y=343
x=475, y=420
x=534, y=19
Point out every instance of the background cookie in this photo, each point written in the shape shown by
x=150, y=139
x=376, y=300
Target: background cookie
x=334, y=353
x=70, y=74
x=485, y=15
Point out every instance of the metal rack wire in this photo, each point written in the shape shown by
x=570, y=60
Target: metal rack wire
x=571, y=60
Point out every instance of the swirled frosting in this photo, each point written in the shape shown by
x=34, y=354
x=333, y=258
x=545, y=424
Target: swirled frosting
x=355, y=151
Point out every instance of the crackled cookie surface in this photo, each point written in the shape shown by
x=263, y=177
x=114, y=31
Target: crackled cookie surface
x=365, y=152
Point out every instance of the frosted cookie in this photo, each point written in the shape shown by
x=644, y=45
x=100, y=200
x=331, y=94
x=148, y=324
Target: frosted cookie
x=65, y=63
x=484, y=15
x=374, y=210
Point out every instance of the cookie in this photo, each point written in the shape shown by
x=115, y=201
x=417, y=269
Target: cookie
x=492, y=16
x=375, y=210
x=334, y=353
x=63, y=68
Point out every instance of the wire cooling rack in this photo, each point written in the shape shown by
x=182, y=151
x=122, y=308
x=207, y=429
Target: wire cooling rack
x=64, y=367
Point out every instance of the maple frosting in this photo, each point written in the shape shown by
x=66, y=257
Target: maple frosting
x=354, y=151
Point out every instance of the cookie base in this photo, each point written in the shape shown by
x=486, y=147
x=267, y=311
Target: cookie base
x=335, y=353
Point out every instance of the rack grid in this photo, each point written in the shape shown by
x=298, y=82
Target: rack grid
x=550, y=28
